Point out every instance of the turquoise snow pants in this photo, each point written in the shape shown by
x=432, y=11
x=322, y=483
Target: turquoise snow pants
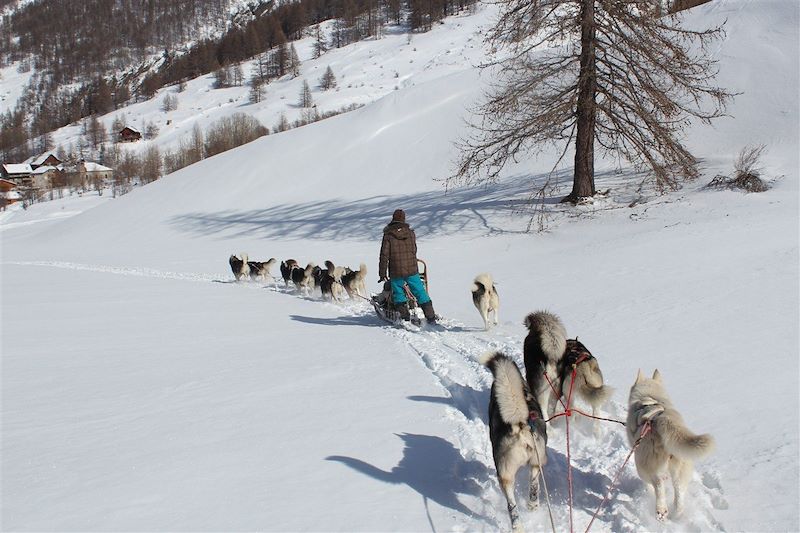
x=416, y=286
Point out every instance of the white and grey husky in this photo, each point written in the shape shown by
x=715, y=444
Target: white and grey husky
x=517, y=431
x=486, y=299
x=668, y=448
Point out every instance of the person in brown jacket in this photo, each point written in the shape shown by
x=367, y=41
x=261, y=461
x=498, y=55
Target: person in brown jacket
x=398, y=264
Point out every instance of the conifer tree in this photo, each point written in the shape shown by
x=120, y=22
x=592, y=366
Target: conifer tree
x=617, y=75
x=294, y=62
x=328, y=80
x=305, y=96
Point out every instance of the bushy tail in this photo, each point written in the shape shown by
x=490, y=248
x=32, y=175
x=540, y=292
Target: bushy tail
x=362, y=272
x=551, y=331
x=483, y=280
x=509, y=387
x=679, y=441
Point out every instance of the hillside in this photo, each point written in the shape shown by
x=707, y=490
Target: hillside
x=142, y=390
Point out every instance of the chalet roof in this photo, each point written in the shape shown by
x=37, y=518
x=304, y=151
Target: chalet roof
x=11, y=195
x=46, y=168
x=128, y=128
x=38, y=161
x=95, y=167
x=17, y=168
x=8, y=183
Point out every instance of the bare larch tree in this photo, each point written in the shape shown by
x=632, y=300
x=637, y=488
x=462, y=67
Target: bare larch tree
x=612, y=74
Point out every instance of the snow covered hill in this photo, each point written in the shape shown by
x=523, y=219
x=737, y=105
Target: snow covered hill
x=142, y=390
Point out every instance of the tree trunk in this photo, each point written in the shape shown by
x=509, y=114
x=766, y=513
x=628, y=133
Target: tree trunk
x=583, y=182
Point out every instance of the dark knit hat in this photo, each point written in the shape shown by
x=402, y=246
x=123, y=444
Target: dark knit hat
x=399, y=215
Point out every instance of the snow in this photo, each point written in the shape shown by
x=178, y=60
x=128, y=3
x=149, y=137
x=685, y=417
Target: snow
x=17, y=168
x=143, y=390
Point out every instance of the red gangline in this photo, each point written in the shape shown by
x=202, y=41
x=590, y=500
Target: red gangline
x=645, y=431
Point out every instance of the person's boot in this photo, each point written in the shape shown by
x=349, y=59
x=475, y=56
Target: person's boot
x=402, y=309
x=427, y=310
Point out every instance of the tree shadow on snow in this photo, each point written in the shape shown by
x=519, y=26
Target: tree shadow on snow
x=430, y=213
x=432, y=467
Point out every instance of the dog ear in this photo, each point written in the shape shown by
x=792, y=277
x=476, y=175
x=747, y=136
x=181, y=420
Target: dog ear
x=639, y=376
x=657, y=375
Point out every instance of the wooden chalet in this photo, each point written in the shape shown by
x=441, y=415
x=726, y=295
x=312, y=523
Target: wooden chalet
x=45, y=160
x=9, y=193
x=19, y=173
x=128, y=135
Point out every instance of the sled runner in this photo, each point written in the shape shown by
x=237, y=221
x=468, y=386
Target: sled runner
x=385, y=308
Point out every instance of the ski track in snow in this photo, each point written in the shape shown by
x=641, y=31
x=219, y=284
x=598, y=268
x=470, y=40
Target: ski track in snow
x=450, y=353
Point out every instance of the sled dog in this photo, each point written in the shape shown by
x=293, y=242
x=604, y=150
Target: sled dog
x=517, y=431
x=486, y=299
x=303, y=278
x=331, y=282
x=354, y=281
x=261, y=270
x=668, y=448
x=548, y=352
x=286, y=270
x=239, y=266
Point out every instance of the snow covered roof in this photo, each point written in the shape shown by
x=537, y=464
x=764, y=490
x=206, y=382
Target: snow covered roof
x=95, y=167
x=11, y=195
x=37, y=161
x=45, y=168
x=17, y=168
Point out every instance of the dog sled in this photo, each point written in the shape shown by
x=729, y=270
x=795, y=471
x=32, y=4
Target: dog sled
x=384, y=304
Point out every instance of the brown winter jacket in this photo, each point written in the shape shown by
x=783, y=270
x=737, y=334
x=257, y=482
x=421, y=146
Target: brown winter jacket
x=398, y=251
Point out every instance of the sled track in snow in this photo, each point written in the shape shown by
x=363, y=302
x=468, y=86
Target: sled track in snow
x=450, y=354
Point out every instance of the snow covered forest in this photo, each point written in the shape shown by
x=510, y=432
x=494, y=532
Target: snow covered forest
x=143, y=388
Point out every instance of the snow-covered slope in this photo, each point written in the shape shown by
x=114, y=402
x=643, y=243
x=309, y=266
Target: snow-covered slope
x=140, y=394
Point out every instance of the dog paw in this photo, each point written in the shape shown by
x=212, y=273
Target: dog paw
x=661, y=515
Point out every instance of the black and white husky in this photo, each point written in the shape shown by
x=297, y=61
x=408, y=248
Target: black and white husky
x=668, y=448
x=260, y=270
x=549, y=353
x=517, y=431
x=330, y=282
x=303, y=278
x=354, y=281
x=239, y=266
x=485, y=298
x=286, y=270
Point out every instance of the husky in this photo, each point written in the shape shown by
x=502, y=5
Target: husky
x=517, y=431
x=550, y=359
x=668, y=448
x=239, y=266
x=261, y=270
x=354, y=281
x=331, y=282
x=286, y=270
x=485, y=298
x=303, y=278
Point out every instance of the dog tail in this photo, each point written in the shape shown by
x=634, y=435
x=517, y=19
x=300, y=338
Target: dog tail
x=509, y=387
x=592, y=389
x=679, y=441
x=551, y=332
x=483, y=280
x=362, y=271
